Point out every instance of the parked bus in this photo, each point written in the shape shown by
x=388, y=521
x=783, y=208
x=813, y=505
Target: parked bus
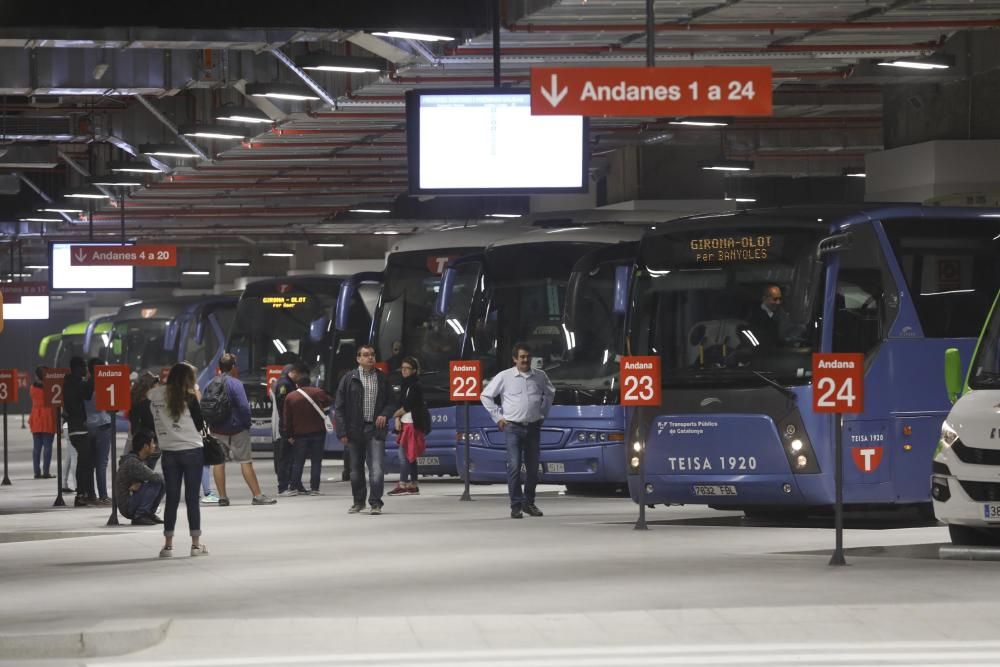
x=735, y=428
x=965, y=485
x=406, y=318
x=56, y=350
x=517, y=291
x=294, y=319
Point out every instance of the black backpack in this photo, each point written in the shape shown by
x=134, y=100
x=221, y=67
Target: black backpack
x=216, y=408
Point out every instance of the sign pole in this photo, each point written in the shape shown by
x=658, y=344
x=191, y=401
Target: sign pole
x=113, y=519
x=640, y=523
x=6, y=479
x=466, y=495
x=59, y=471
x=838, y=508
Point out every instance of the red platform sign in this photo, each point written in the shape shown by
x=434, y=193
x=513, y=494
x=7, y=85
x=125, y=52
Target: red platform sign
x=271, y=375
x=124, y=255
x=838, y=383
x=8, y=385
x=12, y=292
x=111, y=387
x=640, y=380
x=465, y=380
x=651, y=91
x=52, y=385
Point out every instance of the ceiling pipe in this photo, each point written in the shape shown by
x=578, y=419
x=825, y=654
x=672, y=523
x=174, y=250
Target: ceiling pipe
x=860, y=49
x=768, y=26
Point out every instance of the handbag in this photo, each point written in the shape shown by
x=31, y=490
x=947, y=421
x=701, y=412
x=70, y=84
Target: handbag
x=327, y=422
x=215, y=453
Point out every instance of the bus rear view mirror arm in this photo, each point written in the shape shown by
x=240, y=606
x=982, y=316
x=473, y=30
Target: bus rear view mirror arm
x=834, y=243
x=953, y=373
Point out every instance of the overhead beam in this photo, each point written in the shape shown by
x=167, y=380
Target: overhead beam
x=173, y=128
x=301, y=73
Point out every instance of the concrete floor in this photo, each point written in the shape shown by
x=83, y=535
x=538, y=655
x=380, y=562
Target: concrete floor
x=438, y=581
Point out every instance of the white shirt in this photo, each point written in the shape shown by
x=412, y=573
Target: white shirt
x=171, y=435
x=525, y=397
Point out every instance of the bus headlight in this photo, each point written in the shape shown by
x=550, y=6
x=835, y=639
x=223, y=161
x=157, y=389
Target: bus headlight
x=634, y=462
x=801, y=461
x=637, y=446
x=948, y=435
x=795, y=445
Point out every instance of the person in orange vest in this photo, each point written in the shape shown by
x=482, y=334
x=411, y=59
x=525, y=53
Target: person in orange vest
x=42, y=422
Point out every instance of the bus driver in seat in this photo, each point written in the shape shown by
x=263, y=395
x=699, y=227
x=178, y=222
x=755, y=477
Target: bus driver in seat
x=765, y=320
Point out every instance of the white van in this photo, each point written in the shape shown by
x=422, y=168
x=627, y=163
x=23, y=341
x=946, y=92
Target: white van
x=965, y=484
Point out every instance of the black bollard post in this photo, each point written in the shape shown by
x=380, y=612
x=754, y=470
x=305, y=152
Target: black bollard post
x=467, y=495
x=59, y=471
x=6, y=479
x=113, y=519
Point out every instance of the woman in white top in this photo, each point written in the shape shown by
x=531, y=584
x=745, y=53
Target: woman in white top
x=171, y=411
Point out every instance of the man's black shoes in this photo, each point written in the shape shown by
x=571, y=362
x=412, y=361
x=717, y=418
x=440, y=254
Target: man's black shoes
x=515, y=512
x=532, y=510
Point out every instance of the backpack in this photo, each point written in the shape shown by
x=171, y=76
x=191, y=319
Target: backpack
x=425, y=419
x=216, y=408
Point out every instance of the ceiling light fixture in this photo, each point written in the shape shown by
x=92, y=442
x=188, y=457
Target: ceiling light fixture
x=37, y=267
x=117, y=181
x=61, y=210
x=727, y=165
x=503, y=215
x=242, y=115
x=196, y=273
x=388, y=232
x=329, y=245
x=328, y=62
x=280, y=91
x=942, y=61
x=212, y=132
x=277, y=254
x=701, y=122
x=236, y=263
x=855, y=172
x=167, y=150
x=370, y=210
x=41, y=219
x=744, y=200
x=420, y=37
x=87, y=193
x=132, y=167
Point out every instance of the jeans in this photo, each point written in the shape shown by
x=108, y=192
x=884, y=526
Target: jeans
x=311, y=446
x=101, y=438
x=84, y=464
x=407, y=470
x=184, y=465
x=69, y=467
x=43, y=443
x=144, y=501
x=284, y=463
x=522, y=447
x=206, y=480
x=370, y=449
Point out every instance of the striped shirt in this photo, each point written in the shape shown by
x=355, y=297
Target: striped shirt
x=369, y=380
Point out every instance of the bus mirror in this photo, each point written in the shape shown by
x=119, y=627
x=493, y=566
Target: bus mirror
x=199, y=332
x=623, y=276
x=443, y=301
x=317, y=328
x=953, y=373
x=835, y=243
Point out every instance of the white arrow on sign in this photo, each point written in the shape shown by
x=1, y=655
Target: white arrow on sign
x=554, y=95
x=80, y=255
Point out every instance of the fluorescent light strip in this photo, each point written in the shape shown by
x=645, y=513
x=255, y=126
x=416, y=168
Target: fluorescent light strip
x=286, y=96
x=912, y=64
x=37, y=267
x=196, y=273
x=87, y=195
x=329, y=245
x=699, y=123
x=370, y=210
x=857, y=175
x=136, y=170
x=718, y=168
x=214, y=135
x=244, y=119
x=386, y=233
x=503, y=215
x=420, y=37
x=236, y=263
x=278, y=254
x=741, y=199
x=342, y=68
x=41, y=219
x=61, y=210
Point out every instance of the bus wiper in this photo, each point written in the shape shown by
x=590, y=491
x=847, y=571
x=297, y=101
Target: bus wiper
x=785, y=391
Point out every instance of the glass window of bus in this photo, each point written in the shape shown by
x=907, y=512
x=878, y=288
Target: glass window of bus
x=699, y=304
x=985, y=372
x=139, y=344
x=358, y=325
x=199, y=353
x=866, y=295
x=951, y=269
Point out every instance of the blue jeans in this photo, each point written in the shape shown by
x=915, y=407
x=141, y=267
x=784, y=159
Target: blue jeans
x=284, y=464
x=144, y=501
x=183, y=466
x=43, y=443
x=407, y=469
x=206, y=480
x=311, y=446
x=522, y=447
x=101, y=438
x=372, y=450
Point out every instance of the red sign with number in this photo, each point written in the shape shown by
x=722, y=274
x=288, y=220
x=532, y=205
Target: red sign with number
x=52, y=385
x=111, y=387
x=839, y=383
x=123, y=255
x=465, y=380
x=640, y=380
x=8, y=385
x=271, y=375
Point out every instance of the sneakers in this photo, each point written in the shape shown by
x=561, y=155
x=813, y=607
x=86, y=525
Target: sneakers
x=104, y=501
x=166, y=552
x=532, y=510
x=265, y=500
x=143, y=521
x=355, y=509
x=288, y=493
x=399, y=491
x=345, y=476
x=223, y=501
x=314, y=492
x=413, y=491
x=515, y=512
x=199, y=550
x=210, y=498
x=155, y=519
x=376, y=509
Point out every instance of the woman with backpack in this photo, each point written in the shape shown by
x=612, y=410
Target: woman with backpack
x=171, y=411
x=412, y=424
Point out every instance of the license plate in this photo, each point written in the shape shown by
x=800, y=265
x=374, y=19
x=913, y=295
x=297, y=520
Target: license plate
x=991, y=511
x=556, y=467
x=261, y=440
x=714, y=490
x=428, y=461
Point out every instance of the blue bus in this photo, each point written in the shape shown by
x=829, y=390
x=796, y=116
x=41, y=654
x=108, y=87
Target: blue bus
x=517, y=291
x=406, y=319
x=316, y=319
x=735, y=428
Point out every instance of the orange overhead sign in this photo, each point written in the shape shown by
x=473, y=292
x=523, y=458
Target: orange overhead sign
x=134, y=255
x=651, y=91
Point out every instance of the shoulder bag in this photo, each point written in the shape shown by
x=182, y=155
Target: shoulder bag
x=215, y=453
x=327, y=422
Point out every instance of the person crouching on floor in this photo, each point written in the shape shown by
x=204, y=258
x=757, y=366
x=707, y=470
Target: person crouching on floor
x=139, y=489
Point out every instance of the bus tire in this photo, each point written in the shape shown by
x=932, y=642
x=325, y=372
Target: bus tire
x=973, y=537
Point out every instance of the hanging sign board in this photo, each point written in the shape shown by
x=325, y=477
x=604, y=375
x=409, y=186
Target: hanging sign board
x=136, y=255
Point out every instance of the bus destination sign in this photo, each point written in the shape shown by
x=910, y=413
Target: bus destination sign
x=284, y=301
x=733, y=248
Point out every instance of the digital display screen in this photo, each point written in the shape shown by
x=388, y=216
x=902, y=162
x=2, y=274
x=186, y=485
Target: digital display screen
x=732, y=248
x=284, y=301
x=469, y=141
x=30, y=308
x=65, y=276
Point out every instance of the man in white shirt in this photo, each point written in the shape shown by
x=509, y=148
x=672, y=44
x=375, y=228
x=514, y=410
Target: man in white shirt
x=525, y=399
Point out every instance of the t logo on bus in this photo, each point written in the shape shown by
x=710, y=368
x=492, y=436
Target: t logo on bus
x=867, y=459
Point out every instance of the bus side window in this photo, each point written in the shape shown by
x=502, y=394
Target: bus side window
x=865, y=307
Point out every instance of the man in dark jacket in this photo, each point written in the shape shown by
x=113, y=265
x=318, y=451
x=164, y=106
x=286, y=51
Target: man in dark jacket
x=306, y=429
x=138, y=489
x=77, y=390
x=363, y=406
x=283, y=456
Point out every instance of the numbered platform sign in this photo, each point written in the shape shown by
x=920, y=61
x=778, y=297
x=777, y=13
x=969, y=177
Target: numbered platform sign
x=465, y=380
x=838, y=383
x=640, y=380
x=111, y=387
x=52, y=385
x=272, y=373
x=8, y=385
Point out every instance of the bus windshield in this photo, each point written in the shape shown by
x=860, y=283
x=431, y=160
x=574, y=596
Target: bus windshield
x=283, y=326
x=140, y=344
x=985, y=372
x=729, y=305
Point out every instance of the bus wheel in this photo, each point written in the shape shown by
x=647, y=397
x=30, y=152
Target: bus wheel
x=973, y=537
